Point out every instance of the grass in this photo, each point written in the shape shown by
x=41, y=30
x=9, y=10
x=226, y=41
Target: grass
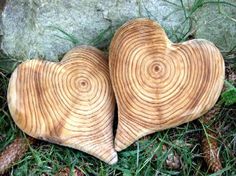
x=146, y=156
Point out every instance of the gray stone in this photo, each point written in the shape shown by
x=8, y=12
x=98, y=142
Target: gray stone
x=41, y=28
x=2, y=4
x=217, y=23
x=49, y=28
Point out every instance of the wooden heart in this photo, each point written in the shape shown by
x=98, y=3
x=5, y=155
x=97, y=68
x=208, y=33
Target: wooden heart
x=70, y=103
x=159, y=84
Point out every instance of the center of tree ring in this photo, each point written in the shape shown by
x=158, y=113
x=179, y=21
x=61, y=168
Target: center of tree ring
x=156, y=68
x=83, y=83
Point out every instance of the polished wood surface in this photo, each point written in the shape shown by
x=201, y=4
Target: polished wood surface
x=159, y=84
x=70, y=103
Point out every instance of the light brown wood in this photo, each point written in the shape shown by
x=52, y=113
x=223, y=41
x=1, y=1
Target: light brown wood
x=70, y=103
x=159, y=84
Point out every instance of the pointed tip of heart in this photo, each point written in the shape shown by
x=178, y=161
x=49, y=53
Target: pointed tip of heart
x=121, y=142
x=122, y=139
x=105, y=154
x=119, y=148
x=127, y=133
x=114, y=159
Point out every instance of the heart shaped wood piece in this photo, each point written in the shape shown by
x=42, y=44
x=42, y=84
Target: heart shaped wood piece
x=70, y=103
x=159, y=84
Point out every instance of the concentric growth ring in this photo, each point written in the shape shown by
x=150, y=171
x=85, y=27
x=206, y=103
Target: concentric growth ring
x=159, y=84
x=70, y=103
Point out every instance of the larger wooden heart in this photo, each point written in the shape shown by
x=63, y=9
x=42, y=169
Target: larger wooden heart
x=159, y=84
x=70, y=103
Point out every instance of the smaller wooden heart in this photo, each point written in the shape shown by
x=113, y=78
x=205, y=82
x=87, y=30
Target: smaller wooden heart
x=70, y=103
x=159, y=84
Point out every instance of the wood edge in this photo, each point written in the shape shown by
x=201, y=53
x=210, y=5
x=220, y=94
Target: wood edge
x=11, y=94
x=139, y=21
x=83, y=48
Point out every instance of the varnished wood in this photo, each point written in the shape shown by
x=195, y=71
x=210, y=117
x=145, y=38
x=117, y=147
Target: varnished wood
x=159, y=84
x=70, y=103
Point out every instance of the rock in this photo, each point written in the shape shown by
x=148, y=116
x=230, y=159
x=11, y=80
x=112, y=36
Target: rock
x=217, y=23
x=169, y=14
x=49, y=28
x=2, y=4
x=40, y=28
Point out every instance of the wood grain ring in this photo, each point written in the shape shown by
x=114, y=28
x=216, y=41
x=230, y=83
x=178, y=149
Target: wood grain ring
x=70, y=103
x=159, y=84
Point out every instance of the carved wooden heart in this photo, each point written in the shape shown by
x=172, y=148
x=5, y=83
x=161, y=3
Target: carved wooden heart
x=70, y=103
x=159, y=84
